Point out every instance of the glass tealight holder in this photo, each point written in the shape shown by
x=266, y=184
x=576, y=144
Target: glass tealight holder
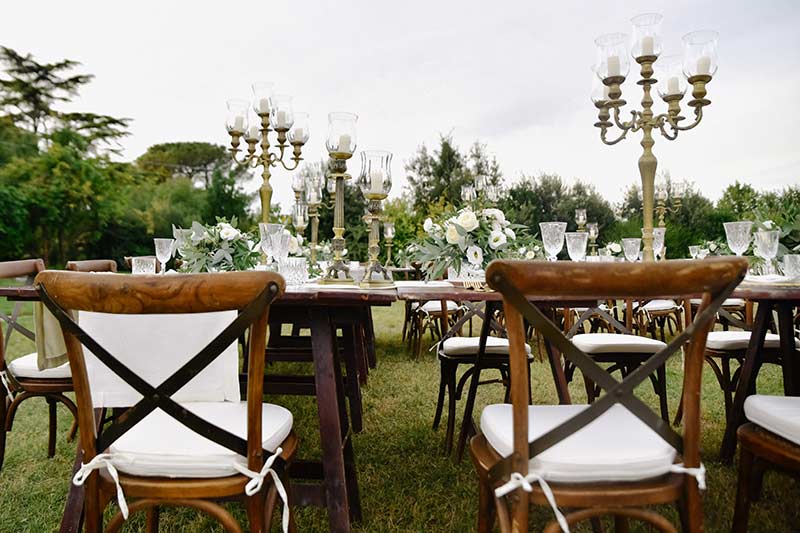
x=388, y=230
x=314, y=191
x=281, y=115
x=300, y=217
x=341, y=140
x=468, y=193
x=646, y=39
x=262, y=96
x=593, y=230
x=580, y=217
x=612, y=55
x=375, y=180
x=669, y=73
x=300, y=131
x=299, y=184
x=236, y=120
x=700, y=53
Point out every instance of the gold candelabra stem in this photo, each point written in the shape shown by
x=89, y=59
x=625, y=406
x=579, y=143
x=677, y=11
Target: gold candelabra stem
x=338, y=271
x=667, y=123
x=388, y=243
x=374, y=267
x=313, y=216
x=592, y=245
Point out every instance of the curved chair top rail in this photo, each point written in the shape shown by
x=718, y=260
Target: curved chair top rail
x=93, y=265
x=568, y=279
x=153, y=294
x=22, y=267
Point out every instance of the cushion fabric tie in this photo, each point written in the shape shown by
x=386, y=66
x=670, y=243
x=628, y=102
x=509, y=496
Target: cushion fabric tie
x=699, y=473
x=4, y=378
x=99, y=461
x=517, y=480
x=257, y=481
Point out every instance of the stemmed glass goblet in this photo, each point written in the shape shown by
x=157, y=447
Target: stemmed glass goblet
x=766, y=247
x=738, y=235
x=694, y=251
x=576, y=244
x=164, y=248
x=658, y=241
x=553, y=238
x=266, y=231
x=631, y=248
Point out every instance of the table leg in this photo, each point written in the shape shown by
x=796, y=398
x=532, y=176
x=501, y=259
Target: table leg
x=330, y=421
x=369, y=337
x=791, y=366
x=747, y=380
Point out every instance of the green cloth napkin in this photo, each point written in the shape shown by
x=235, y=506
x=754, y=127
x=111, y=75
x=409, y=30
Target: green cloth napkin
x=50, y=348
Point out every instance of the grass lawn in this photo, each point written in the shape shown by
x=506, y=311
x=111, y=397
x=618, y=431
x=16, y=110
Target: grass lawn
x=406, y=483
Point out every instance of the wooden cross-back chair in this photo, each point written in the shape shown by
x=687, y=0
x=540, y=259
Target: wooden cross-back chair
x=92, y=265
x=21, y=377
x=175, y=480
x=615, y=456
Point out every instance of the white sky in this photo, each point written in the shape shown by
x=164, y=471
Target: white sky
x=514, y=75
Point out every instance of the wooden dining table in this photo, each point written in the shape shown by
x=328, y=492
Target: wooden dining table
x=331, y=482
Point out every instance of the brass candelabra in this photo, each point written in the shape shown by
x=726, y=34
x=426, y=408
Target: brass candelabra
x=698, y=64
x=388, y=239
x=375, y=182
x=593, y=230
x=338, y=271
x=662, y=209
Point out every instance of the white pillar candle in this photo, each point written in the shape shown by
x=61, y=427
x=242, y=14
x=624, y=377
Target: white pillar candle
x=704, y=65
x=376, y=181
x=298, y=134
x=238, y=123
x=613, y=66
x=280, y=119
x=263, y=105
x=344, y=144
x=673, y=85
x=647, y=46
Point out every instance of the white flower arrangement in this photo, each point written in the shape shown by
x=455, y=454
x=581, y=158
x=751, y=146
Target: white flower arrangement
x=218, y=247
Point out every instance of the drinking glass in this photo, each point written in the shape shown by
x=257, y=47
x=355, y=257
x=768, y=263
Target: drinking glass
x=164, y=249
x=791, y=265
x=143, y=265
x=658, y=241
x=576, y=244
x=693, y=251
x=766, y=247
x=279, y=245
x=738, y=235
x=631, y=248
x=553, y=238
x=294, y=270
x=702, y=253
x=266, y=231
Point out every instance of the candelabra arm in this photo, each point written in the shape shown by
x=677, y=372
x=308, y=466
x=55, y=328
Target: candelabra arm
x=661, y=121
x=293, y=167
x=615, y=141
x=630, y=125
x=698, y=116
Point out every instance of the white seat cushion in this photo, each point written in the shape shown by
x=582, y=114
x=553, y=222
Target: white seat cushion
x=616, y=343
x=159, y=445
x=778, y=414
x=616, y=446
x=729, y=302
x=738, y=340
x=470, y=345
x=657, y=305
x=435, y=306
x=28, y=367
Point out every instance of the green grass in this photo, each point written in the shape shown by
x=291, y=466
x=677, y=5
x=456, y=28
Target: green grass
x=406, y=483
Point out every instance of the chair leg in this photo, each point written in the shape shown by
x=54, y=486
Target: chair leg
x=451, y=407
x=3, y=409
x=51, y=437
x=741, y=512
x=469, y=406
x=255, y=512
x=440, y=400
x=662, y=392
x=151, y=525
x=485, y=507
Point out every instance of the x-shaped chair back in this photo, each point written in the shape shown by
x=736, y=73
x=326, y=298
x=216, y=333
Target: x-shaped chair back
x=24, y=268
x=251, y=293
x=521, y=282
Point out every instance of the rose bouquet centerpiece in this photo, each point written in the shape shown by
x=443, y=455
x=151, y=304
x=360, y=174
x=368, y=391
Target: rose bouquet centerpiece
x=218, y=247
x=466, y=241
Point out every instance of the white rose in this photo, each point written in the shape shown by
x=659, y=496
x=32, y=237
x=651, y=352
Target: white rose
x=294, y=246
x=522, y=251
x=475, y=255
x=497, y=239
x=530, y=255
x=467, y=220
x=496, y=214
x=537, y=248
x=510, y=233
x=227, y=232
x=427, y=225
x=615, y=247
x=712, y=247
x=451, y=234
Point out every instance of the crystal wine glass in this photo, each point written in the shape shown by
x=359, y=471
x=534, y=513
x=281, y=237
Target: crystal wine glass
x=702, y=253
x=576, y=244
x=266, y=231
x=694, y=251
x=766, y=247
x=631, y=248
x=143, y=265
x=658, y=241
x=553, y=238
x=164, y=252
x=279, y=245
x=738, y=235
x=791, y=265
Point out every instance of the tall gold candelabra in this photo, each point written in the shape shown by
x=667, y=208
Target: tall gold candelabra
x=698, y=65
x=375, y=182
x=338, y=271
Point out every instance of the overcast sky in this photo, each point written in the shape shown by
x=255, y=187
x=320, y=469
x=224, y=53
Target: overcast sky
x=513, y=75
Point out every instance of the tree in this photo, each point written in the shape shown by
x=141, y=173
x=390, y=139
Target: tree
x=197, y=161
x=15, y=142
x=739, y=201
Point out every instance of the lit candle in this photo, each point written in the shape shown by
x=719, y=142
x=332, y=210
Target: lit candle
x=252, y=133
x=647, y=46
x=280, y=119
x=238, y=123
x=263, y=106
x=704, y=65
x=673, y=86
x=376, y=181
x=613, y=66
x=344, y=144
x=298, y=134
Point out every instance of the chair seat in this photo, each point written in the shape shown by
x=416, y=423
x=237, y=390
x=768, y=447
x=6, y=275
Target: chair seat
x=729, y=302
x=616, y=446
x=469, y=346
x=738, y=340
x=657, y=305
x=435, y=306
x=778, y=414
x=596, y=343
x=161, y=446
x=28, y=367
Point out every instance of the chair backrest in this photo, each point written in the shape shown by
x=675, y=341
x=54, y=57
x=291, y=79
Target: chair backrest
x=23, y=268
x=522, y=282
x=93, y=265
x=249, y=293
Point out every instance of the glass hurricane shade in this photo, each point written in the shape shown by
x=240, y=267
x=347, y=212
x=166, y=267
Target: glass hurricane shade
x=330, y=186
x=298, y=183
x=281, y=116
x=388, y=230
x=481, y=181
x=599, y=90
x=679, y=189
x=593, y=230
x=300, y=130
x=669, y=73
x=236, y=119
x=646, y=38
x=341, y=138
x=580, y=216
x=262, y=97
x=468, y=193
x=375, y=180
x=612, y=55
x=300, y=216
x=700, y=53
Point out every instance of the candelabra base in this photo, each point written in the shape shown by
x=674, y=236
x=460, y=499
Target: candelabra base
x=385, y=280
x=332, y=276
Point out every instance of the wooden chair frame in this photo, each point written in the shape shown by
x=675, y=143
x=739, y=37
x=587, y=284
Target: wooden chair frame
x=92, y=265
x=520, y=282
x=249, y=292
x=23, y=388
